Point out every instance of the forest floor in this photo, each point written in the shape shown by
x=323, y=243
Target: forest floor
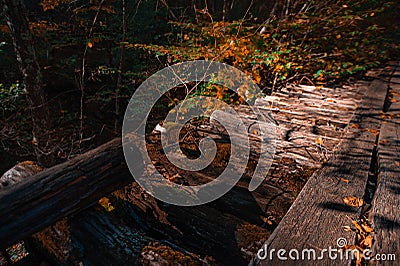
x=312, y=122
x=314, y=66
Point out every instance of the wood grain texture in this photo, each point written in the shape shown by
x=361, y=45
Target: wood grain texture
x=230, y=227
x=59, y=191
x=316, y=219
x=385, y=213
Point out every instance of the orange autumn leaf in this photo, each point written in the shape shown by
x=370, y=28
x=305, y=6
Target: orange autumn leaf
x=367, y=242
x=357, y=226
x=354, y=126
x=257, y=77
x=319, y=141
x=367, y=228
x=374, y=131
x=105, y=203
x=353, y=201
x=387, y=116
x=4, y=28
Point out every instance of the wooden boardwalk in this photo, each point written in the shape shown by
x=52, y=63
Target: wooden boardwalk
x=334, y=137
x=318, y=217
x=385, y=213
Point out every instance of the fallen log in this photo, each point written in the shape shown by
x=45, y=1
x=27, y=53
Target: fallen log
x=43, y=199
x=100, y=237
x=230, y=227
x=97, y=235
x=57, y=192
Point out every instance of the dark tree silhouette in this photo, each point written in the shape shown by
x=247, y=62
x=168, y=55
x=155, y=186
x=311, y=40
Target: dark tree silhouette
x=16, y=16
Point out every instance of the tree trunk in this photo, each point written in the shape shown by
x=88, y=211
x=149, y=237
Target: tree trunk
x=62, y=190
x=24, y=48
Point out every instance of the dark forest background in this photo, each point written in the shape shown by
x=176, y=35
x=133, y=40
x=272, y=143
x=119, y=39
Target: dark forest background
x=90, y=55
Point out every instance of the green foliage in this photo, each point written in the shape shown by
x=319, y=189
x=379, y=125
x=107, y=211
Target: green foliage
x=10, y=96
x=319, y=46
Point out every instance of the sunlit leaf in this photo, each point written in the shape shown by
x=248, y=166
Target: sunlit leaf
x=105, y=203
x=353, y=201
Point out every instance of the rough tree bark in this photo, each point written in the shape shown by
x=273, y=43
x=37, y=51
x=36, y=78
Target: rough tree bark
x=15, y=14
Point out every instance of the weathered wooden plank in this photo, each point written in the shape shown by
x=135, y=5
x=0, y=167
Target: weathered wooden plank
x=139, y=219
x=96, y=236
x=225, y=211
x=385, y=212
x=316, y=218
x=208, y=232
x=107, y=238
x=44, y=198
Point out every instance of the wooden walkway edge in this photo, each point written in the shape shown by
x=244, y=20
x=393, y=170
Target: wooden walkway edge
x=385, y=213
x=316, y=219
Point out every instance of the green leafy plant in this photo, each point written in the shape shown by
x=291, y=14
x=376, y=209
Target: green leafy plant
x=10, y=96
x=318, y=46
